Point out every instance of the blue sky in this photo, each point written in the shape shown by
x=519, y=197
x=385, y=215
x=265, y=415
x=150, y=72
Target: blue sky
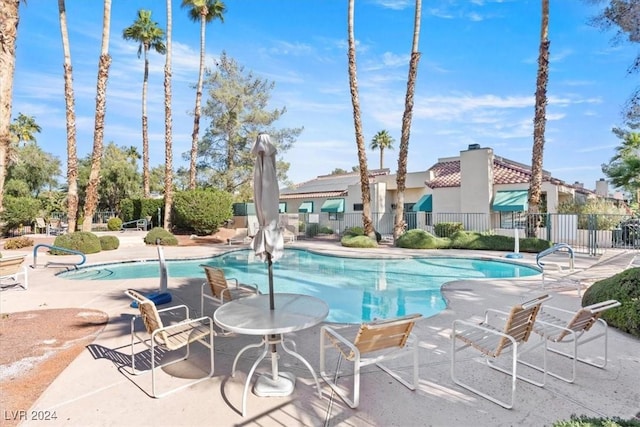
x=476, y=78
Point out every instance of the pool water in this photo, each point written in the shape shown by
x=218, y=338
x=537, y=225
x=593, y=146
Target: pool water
x=356, y=289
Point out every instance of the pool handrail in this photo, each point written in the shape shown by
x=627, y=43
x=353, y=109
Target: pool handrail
x=555, y=248
x=57, y=248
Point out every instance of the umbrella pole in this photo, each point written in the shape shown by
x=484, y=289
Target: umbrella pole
x=274, y=351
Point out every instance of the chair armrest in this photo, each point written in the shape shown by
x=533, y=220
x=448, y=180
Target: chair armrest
x=482, y=328
x=250, y=286
x=331, y=332
x=200, y=320
x=232, y=280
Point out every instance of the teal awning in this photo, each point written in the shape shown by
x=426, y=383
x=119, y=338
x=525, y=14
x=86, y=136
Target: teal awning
x=425, y=204
x=511, y=201
x=306, y=207
x=333, y=205
x=282, y=207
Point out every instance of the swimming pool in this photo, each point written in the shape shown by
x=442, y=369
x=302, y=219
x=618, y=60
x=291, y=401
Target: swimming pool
x=356, y=289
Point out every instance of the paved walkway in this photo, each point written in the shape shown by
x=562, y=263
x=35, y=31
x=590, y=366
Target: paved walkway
x=95, y=390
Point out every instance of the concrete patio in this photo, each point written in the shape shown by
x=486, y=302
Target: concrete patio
x=95, y=390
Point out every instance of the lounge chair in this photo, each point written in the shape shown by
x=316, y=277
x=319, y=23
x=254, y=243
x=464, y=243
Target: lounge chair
x=493, y=341
x=573, y=329
x=10, y=268
x=380, y=340
x=40, y=225
x=160, y=338
x=221, y=292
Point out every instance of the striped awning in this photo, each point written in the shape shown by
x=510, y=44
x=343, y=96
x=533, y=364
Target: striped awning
x=333, y=205
x=511, y=201
x=306, y=207
x=425, y=204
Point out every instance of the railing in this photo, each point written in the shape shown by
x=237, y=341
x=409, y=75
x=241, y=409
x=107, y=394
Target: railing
x=138, y=224
x=57, y=248
x=556, y=248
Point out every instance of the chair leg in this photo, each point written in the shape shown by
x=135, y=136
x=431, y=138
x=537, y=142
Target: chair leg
x=414, y=377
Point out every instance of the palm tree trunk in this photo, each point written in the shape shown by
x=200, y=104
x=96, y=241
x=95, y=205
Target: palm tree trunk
x=72, y=157
x=145, y=127
x=381, y=158
x=91, y=201
x=539, y=123
x=9, y=19
x=197, y=110
x=362, y=154
x=168, y=150
x=401, y=177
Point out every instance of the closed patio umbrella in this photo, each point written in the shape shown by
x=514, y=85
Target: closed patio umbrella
x=268, y=243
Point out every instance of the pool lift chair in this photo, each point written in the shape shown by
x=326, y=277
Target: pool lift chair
x=160, y=338
x=499, y=334
x=374, y=342
x=162, y=296
x=574, y=329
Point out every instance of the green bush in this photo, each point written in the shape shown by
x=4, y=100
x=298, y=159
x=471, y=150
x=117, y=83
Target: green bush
x=312, y=230
x=114, y=224
x=358, y=242
x=585, y=421
x=133, y=209
x=420, y=239
x=202, y=210
x=109, y=243
x=19, y=211
x=325, y=230
x=18, y=242
x=446, y=229
x=354, y=231
x=159, y=233
x=624, y=287
x=81, y=241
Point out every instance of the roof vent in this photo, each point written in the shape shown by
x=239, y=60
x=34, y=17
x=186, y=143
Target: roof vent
x=474, y=146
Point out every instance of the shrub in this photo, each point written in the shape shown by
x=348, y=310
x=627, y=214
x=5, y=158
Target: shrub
x=624, y=287
x=312, y=230
x=446, y=229
x=18, y=242
x=114, y=224
x=585, y=421
x=420, y=239
x=81, y=241
x=109, y=243
x=202, y=210
x=133, y=209
x=325, y=230
x=19, y=211
x=158, y=233
x=354, y=231
x=358, y=242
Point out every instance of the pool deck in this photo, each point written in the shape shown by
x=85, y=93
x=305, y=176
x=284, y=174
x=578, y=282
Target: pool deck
x=95, y=391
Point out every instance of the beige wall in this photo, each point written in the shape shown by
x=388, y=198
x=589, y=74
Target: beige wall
x=446, y=200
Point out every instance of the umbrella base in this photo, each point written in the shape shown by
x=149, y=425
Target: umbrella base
x=265, y=386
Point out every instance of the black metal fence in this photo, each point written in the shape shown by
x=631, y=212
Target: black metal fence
x=586, y=233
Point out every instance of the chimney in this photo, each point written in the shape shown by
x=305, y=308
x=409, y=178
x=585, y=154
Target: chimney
x=602, y=188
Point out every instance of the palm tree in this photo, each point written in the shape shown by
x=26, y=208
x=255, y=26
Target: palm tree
x=149, y=37
x=203, y=11
x=168, y=152
x=539, y=123
x=72, y=157
x=382, y=141
x=401, y=177
x=8, y=32
x=23, y=129
x=355, y=101
x=91, y=198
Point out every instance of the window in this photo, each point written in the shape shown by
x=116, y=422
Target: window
x=282, y=207
x=358, y=207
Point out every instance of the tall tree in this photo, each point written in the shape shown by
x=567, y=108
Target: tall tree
x=8, y=33
x=624, y=168
x=91, y=200
x=36, y=168
x=625, y=16
x=401, y=176
x=237, y=108
x=149, y=36
x=382, y=141
x=357, y=122
x=69, y=99
x=203, y=11
x=168, y=139
x=539, y=123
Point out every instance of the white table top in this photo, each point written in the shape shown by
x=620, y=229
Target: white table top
x=252, y=316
